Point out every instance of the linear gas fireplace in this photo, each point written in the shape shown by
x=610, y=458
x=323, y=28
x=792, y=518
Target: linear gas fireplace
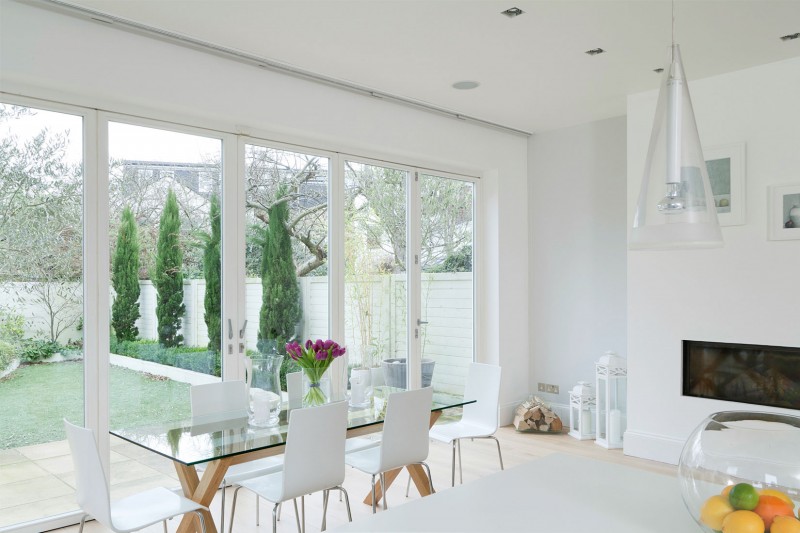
x=747, y=373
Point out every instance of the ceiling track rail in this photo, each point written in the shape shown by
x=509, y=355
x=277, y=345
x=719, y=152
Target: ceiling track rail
x=257, y=61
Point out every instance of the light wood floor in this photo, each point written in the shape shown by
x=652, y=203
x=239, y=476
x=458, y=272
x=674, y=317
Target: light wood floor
x=479, y=459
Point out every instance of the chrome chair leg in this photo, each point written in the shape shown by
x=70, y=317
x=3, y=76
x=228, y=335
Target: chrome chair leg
x=297, y=516
x=202, y=520
x=324, y=508
x=460, y=472
x=233, y=508
x=408, y=485
x=275, y=518
x=164, y=523
x=499, y=454
x=373, y=494
x=258, y=512
x=383, y=490
x=430, y=477
x=222, y=510
x=83, y=521
x=346, y=502
x=453, y=468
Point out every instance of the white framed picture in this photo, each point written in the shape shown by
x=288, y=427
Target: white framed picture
x=784, y=212
x=726, y=168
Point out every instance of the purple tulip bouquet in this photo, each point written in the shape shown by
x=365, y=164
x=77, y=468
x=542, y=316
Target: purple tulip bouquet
x=314, y=358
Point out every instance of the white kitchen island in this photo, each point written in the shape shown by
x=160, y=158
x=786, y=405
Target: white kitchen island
x=555, y=494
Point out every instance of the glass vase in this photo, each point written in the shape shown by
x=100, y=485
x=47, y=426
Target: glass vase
x=265, y=390
x=316, y=391
x=732, y=447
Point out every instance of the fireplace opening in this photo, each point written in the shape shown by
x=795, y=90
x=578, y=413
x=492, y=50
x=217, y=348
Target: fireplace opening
x=746, y=373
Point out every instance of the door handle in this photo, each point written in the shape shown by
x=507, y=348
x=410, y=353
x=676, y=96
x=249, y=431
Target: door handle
x=230, y=329
x=420, y=322
x=241, y=331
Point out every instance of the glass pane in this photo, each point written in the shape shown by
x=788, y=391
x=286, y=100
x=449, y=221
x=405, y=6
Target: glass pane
x=286, y=252
x=375, y=275
x=41, y=308
x=164, y=190
x=447, y=282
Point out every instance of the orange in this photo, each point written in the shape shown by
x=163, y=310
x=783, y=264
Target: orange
x=727, y=490
x=785, y=524
x=771, y=506
x=778, y=494
x=714, y=510
x=743, y=522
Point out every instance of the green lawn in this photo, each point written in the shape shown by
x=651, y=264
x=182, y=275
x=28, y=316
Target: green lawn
x=35, y=398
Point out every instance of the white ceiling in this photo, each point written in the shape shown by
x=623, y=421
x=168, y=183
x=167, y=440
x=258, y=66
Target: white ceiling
x=533, y=71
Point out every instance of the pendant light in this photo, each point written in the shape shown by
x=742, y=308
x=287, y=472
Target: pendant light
x=676, y=206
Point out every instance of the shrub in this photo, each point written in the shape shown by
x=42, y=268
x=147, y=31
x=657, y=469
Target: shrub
x=35, y=350
x=8, y=353
x=212, y=272
x=12, y=326
x=125, y=279
x=168, y=278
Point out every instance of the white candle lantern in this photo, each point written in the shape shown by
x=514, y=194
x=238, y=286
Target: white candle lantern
x=581, y=402
x=612, y=401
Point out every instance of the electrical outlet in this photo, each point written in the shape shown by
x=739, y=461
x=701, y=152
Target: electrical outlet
x=547, y=387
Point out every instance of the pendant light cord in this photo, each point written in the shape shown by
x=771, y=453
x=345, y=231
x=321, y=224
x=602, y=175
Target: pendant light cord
x=673, y=22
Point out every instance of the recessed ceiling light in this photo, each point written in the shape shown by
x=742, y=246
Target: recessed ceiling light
x=512, y=12
x=465, y=85
x=790, y=37
x=595, y=51
x=658, y=70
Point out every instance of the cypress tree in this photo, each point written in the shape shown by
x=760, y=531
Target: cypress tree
x=280, y=307
x=212, y=270
x=125, y=279
x=168, y=277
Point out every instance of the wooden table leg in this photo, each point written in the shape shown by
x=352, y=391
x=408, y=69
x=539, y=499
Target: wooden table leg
x=202, y=491
x=417, y=473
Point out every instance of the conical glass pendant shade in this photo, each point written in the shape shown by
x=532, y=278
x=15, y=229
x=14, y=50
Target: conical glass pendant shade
x=676, y=206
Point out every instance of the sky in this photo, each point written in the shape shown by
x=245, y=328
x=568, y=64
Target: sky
x=125, y=141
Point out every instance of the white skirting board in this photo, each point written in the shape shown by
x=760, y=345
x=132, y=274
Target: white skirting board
x=655, y=447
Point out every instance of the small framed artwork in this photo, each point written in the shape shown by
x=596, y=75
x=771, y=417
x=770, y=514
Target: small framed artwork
x=725, y=165
x=784, y=212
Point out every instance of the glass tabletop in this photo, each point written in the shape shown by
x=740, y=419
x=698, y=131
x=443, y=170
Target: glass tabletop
x=194, y=441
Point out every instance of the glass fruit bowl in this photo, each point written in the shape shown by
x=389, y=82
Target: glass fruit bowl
x=760, y=451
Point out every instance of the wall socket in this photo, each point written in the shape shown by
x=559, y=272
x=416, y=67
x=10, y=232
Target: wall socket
x=547, y=387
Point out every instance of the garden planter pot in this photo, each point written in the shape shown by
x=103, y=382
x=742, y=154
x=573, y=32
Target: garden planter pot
x=394, y=372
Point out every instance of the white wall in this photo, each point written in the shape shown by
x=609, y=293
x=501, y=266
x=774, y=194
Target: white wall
x=578, y=234
x=48, y=55
x=746, y=292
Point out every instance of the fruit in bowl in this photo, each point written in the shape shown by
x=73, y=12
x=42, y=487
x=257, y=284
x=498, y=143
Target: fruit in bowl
x=739, y=472
x=742, y=508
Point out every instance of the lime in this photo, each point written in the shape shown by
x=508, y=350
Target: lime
x=743, y=496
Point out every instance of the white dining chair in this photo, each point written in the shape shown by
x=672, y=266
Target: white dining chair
x=228, y=399
x=313, y=462
x=479, y=420
x=131, y=513
x=405, y=438
x=294, y=389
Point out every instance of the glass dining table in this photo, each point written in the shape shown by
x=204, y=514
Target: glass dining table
x=221, y=442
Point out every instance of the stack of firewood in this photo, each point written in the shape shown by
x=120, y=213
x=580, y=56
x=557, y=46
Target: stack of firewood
x=534, y=415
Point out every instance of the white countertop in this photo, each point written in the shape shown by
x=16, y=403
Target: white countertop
x=557, y=493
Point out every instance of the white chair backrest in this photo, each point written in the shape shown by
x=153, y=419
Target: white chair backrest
x=405, y=428
x=90, y=480
x=294, y=389
x=314, y=454
x=226, y=399
x=483, y=385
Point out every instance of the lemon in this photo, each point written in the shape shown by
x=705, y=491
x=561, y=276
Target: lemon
x=743, y=496
x=785, y=524
x=742, y=522
x=714, y=510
